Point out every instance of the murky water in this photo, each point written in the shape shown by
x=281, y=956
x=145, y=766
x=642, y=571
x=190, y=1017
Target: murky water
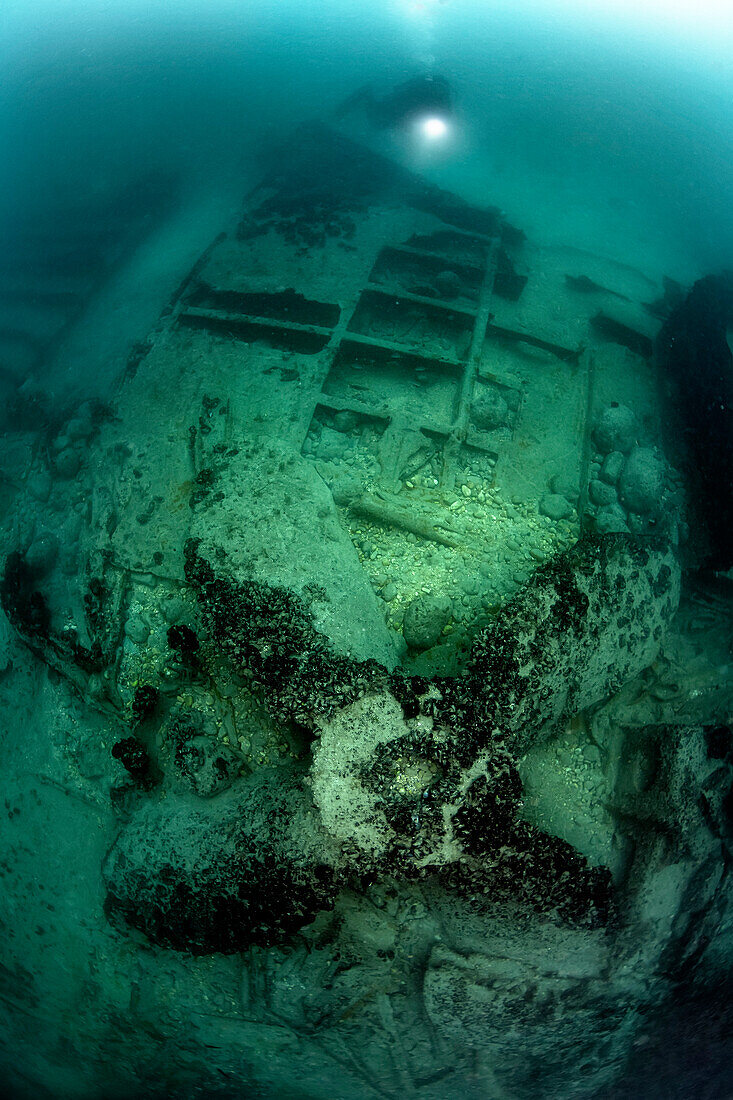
x=366, y=466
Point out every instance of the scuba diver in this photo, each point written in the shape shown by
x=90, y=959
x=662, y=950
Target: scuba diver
x=420, y=98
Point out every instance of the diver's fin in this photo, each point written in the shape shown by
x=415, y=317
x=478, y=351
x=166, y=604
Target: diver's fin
x=362, y=98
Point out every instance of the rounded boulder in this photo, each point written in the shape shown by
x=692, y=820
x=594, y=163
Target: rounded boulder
x=424, y=621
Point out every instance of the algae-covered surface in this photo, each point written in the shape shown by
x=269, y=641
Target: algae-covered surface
x=367, y=699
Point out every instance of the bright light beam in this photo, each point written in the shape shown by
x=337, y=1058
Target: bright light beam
x=433, y=128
